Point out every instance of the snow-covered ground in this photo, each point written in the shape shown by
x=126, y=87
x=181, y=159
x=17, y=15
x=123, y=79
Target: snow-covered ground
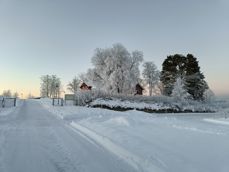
x=6, y=111
x=154, y=142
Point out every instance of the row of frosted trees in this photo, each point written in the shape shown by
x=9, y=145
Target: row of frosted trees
x=117, y=71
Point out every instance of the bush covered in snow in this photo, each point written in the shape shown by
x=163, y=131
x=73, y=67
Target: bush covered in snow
x=85, y=97
x=97, y=98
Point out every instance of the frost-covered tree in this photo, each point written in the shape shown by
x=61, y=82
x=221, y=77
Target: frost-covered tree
x=55, y=86
x=45, y=86
x=150, y=75
x=179, y=92
x=50, y=86
x=7, y=93
x=30, y=96
x=115, y=69
x=209, y=95
x=16, y=95
x=74, y=85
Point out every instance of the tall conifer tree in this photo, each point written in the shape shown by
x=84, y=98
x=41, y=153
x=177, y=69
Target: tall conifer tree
x=188, y=68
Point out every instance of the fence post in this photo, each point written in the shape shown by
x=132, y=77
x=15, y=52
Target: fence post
x=53, y=101
x=15, y=102
x=3, y=102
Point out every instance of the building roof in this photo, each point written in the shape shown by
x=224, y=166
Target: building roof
x=85, y=85
x=138, y=86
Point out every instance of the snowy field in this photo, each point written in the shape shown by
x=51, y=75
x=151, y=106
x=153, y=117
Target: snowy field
x=154, y=142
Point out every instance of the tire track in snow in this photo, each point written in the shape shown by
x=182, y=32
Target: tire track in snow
x=219, y=121
x=55, y=149
x=194, y=129
x=3, y=133
x=133, y=160
x=58, y=154
x=2, y=141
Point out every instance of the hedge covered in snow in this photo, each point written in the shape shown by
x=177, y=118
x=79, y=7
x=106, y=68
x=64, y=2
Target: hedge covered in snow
x=160, y=104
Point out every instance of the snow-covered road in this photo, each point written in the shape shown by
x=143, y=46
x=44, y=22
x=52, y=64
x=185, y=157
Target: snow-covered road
x=34, y=140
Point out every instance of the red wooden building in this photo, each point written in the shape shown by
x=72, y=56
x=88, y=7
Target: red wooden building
x=85, y=87
x=139, y=89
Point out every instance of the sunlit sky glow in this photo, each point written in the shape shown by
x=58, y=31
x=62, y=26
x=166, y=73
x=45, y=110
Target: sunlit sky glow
x=40, y=37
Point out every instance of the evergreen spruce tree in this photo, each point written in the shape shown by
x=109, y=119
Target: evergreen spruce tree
x=195, y=83
x=172, y=67
x=186, y=67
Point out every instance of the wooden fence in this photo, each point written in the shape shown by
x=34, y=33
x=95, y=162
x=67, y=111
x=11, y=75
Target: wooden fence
x=58, y=102
x=8, y=102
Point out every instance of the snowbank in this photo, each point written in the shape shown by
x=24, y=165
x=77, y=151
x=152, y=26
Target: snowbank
x=218, y=121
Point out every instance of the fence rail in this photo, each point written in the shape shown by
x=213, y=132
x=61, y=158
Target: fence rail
x=57, y=101
x=8, y=102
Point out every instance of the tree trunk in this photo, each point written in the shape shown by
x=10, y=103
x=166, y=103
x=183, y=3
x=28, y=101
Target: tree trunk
x=150, y=89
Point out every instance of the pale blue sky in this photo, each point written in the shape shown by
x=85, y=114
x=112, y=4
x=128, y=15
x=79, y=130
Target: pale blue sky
x=59, y=36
